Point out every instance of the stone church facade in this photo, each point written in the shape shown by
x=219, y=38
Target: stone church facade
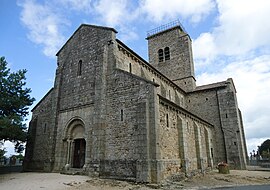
x=113, y=114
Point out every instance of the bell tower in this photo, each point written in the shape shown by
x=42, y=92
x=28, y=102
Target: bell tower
x=170, y=52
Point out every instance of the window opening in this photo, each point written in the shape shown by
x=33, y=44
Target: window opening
x=167, y=119
x=160, y=55
x=79, y=68
x=130, y=68
x=122, y=115
x=167, y=53
x=45, y=128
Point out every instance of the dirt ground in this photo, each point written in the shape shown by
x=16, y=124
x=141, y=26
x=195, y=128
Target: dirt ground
x=55, y=181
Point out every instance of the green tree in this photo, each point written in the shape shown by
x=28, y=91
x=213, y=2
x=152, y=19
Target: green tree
x=264, y=149
x=2, y=153
x=14, y=104
x=19, y=156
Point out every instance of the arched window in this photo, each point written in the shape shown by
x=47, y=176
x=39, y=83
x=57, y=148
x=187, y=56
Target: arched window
x=167, y=53
x=160, y=55
x=79, y=73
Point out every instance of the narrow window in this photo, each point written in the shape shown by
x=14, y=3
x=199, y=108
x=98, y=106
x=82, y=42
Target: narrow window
x=212, y=154
x=153, y=80
x=169, y=94
x=122, y=115
x=226, y=115
x=79, y=68
x=45, y=128
x=160, y=55
x=167, y=53
x=130, y=68
x=167, y=119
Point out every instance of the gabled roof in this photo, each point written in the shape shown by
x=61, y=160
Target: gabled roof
x=85, y=25
x=211, y=86
x=44, y=97
x=217, y=85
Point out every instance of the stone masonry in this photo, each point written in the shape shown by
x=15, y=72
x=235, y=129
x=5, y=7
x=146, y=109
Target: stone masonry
x=112, y=114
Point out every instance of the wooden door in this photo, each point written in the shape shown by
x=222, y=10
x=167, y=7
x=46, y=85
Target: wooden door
x=79, y=153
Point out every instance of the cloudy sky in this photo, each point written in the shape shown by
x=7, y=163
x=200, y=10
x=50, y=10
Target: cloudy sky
x=231, y=38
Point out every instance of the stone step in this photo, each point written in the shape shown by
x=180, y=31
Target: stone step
x=73, y=171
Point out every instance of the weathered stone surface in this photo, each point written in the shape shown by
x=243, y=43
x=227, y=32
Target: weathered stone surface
x=112, y=114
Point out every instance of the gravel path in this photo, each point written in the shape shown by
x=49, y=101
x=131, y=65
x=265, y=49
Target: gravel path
x=34, y=181
x=55, y=181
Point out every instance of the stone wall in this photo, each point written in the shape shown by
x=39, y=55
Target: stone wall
x=136, y=122
x=39, y=147
x=179, y=68
x=232, y=127
x=132, y=63
x=80, y=82
x=184, y=142
x=129, y=104
x=168, y=138
x=218, y=105
x=65, y=123
x=205, y=104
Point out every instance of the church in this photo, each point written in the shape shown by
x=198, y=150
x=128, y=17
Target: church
x=113, y=114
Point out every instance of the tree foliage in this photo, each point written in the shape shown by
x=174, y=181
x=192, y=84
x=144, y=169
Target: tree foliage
x=2, y=153
x=264, y=149
x=14, y=104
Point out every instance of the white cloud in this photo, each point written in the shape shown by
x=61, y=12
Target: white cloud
x=128, y=34
x=112, y=13
x=204, y=48
x=78, y=5
x=122, y=13
x=242, y=27
x=118, y=14
x=46, y=22
x=43, y=25
x=9, y=147
x=159, y=10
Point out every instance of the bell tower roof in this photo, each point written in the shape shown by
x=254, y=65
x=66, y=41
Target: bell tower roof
x=163, y=28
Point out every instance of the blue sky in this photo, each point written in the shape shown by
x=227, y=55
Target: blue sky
x=230, y=39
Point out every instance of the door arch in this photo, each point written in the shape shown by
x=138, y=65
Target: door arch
x=76, y=143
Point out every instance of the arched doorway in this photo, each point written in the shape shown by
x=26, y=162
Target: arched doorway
x=76, y=144
x=79, y=153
